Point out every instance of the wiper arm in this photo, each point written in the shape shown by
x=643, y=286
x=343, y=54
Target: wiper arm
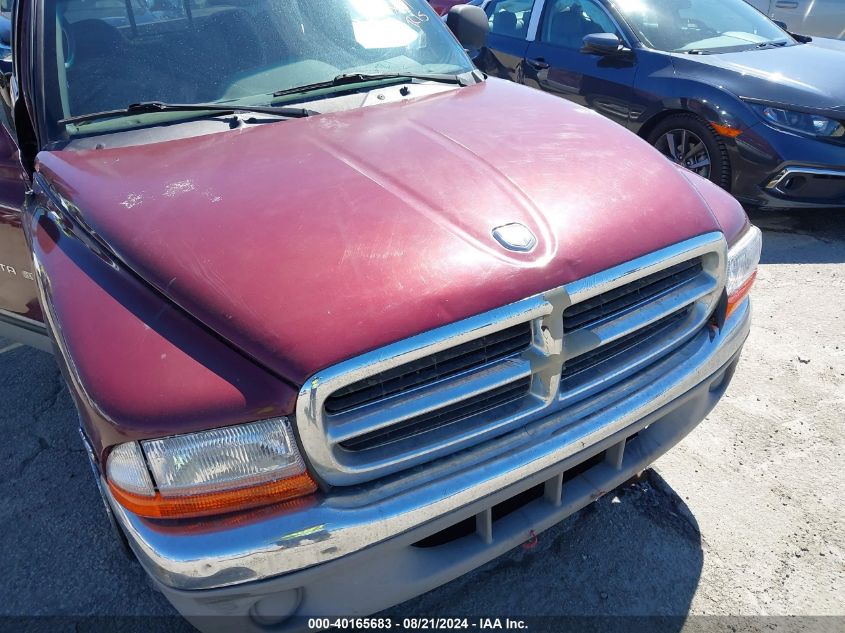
x=147, y=107
x=349, y=79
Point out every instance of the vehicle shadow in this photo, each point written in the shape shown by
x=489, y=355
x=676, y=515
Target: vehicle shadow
x=629, y=562
x=809, y=236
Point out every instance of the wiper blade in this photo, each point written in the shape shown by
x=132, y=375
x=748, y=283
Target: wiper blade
x=147, y=107
x=777, y=44
x=697, y=51
x=349, y=79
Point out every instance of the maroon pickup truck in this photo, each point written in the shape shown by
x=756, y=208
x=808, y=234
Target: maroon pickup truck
x=443, y=6
x=344, y=319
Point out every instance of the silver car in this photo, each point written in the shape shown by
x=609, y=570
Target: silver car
x=822, y=18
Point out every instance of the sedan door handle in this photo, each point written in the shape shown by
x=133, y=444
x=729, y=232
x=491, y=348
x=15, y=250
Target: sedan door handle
x=538, y=64
x=786, y=4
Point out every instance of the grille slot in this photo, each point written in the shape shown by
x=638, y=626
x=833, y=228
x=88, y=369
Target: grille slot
x=622, y=346
x=484, y=403
x=429, y=369
x=501, y=510
x=618, y=301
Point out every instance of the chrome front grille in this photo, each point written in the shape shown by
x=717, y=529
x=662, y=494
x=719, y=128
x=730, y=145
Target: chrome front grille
x=488, y=376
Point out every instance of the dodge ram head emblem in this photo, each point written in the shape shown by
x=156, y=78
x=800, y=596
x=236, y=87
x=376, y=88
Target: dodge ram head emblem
x=515, y=237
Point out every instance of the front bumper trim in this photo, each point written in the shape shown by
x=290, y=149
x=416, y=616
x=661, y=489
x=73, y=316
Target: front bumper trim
x=791, y=172
x=226, y=552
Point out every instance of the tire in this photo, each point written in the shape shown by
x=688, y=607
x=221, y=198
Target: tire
x=688, y=132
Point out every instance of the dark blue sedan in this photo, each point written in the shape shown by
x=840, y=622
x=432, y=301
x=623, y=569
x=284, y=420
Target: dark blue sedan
x=713, y=84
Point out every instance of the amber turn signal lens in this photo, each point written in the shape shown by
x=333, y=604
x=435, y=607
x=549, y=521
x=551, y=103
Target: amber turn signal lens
x=726, y=130
x=216, y=503
x=743, y=259
x=735, y=299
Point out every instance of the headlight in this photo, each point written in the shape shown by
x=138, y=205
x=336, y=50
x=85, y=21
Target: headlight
x=212, y=472
x=801, y=122
x=743, y=259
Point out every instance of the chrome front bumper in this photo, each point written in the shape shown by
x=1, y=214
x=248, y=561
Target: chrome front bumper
x=190, y=556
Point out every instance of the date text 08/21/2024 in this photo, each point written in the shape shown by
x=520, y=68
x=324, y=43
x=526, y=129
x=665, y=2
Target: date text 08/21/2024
x=418, y=624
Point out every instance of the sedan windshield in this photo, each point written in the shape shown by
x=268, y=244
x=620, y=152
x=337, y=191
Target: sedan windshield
x=109, y=54
x=701, y=26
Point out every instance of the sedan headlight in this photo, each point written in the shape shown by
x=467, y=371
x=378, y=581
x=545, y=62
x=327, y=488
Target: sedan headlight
x=211, y=472
x=801, y=122
x=743, y=259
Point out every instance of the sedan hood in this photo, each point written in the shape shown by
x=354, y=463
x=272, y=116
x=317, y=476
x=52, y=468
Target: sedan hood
x=802, y=75
x=310, y=241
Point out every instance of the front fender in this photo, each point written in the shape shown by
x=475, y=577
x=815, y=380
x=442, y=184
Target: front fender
x=138, y=366
x=711, y=103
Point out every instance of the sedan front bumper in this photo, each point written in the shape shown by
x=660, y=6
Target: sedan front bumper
x=780, y=170
x=808, y=185
x=361, y=550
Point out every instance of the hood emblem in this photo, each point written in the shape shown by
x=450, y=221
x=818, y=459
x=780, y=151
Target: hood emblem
x=515, y=237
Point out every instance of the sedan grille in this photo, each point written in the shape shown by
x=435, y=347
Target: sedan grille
x=480, y=380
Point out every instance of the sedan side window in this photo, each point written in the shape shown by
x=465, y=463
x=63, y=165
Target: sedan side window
x=510, y=18
x=566, y=22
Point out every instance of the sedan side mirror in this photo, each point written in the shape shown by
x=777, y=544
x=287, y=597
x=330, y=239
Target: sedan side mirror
x=469, y=24
x=603, y=44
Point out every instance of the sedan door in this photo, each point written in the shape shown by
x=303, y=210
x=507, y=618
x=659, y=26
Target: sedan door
x=506, y=41
x=555, y=63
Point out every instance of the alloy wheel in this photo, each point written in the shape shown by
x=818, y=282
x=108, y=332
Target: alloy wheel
x=686, y=149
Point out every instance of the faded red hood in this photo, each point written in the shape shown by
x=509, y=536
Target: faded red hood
x=310, y=241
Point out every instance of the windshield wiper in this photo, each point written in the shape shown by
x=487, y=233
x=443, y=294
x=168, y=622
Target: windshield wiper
x=156, y=106
x=776, y=44
x=349, y=79
x=696, y=51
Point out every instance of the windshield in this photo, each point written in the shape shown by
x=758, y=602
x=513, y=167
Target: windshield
x=701, y=26
x=108, y=54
